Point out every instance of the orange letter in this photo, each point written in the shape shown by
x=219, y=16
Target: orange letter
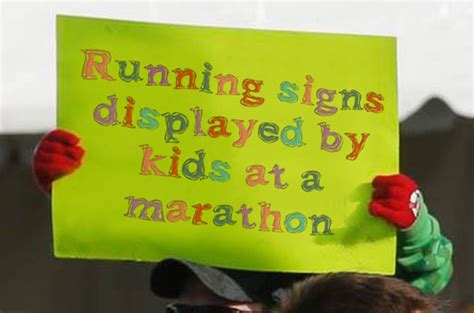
x=376, y=106
x=180, y=74
x=356, y=146
x=251, y=86
x=198, y=214
x=128, y=120
x=307, y=91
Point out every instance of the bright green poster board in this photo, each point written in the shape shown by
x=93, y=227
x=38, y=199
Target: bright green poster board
x=239, y=148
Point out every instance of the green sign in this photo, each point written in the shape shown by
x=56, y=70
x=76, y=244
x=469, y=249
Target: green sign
x=240, y=148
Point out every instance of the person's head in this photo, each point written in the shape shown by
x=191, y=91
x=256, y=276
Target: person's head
x=198, y=288
x=196, y=297
x=355, y=293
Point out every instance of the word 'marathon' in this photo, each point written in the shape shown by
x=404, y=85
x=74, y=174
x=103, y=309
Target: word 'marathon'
x=223, y=214
x=98, y=61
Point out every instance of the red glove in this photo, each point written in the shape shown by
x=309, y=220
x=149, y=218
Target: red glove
x=396, y=199
x=56, y=155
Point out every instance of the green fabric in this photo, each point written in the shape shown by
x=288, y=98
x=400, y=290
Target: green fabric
x=424, y=254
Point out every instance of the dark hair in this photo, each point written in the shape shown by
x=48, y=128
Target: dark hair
x=354, y=293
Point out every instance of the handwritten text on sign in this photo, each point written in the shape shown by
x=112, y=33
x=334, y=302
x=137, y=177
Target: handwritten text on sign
x=229, y=140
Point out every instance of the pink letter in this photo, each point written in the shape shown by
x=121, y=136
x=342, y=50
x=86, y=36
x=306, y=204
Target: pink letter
x=90, y=63
x=148, y=162
x=265, y=213
x=244, y=133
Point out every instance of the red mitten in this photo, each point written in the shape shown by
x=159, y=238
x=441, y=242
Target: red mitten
x=56, y=155
x=396, y=199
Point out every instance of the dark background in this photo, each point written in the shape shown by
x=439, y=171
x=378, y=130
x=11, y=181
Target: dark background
x=437, y=150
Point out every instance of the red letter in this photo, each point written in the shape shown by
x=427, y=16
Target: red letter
x=377, y=107
x=198, y=214
x=356, y=147
x=220, y=129
x=174, y=163
x=128, y=120
x=180, y=75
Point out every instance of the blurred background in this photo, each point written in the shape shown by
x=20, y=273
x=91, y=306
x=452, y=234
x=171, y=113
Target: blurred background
x=436, y=110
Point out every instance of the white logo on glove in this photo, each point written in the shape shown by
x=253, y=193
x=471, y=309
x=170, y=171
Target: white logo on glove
x=415, y=200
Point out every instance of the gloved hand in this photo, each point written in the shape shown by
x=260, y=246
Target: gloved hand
x=56, y=155
x=396, y=199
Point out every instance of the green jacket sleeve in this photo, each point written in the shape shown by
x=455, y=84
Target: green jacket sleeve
x=424, y=255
